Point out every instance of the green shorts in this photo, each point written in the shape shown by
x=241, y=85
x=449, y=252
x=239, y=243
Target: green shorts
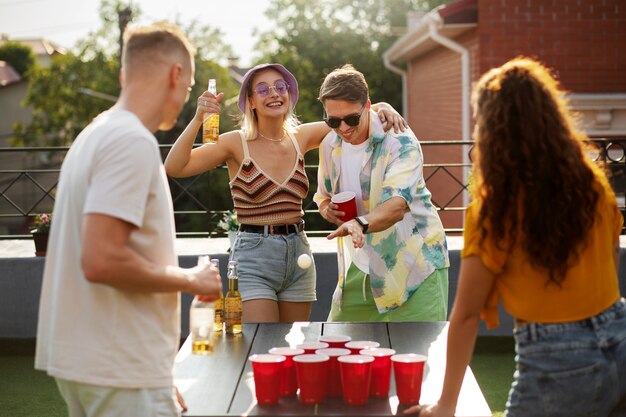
x=428, y=303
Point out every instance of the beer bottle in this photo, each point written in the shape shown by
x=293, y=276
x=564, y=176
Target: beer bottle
x=233, y=305
x=219, y=306
x=211, y=123
x=201, y=317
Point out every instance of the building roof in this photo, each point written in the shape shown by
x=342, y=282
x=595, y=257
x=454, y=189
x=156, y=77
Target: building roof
x=460, y=12
x=40, y=46
x=451, y=21
x=237, y=72
x=8, y=75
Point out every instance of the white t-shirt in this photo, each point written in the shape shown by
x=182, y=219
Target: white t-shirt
x=352, y=160
x=94, y=333
x=352, y=157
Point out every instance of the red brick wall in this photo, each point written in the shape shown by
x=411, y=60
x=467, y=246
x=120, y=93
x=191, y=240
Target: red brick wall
x=583, y=40
x=435, y=114
x=434, y=90
x=434, y=85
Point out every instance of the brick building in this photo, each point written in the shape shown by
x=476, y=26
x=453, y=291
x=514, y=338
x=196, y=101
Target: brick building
x=445, y=52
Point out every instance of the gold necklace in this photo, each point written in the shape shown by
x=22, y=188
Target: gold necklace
x=272, y=139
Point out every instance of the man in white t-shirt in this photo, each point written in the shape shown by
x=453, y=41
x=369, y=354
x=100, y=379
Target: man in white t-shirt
x=109, y=316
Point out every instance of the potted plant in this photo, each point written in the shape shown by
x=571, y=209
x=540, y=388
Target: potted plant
x=40, y=231
x=230, y=225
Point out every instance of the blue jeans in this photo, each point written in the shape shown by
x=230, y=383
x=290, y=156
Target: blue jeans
x=268, y=267
x=571, y=369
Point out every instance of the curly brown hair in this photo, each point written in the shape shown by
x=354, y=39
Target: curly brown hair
x=531, y=176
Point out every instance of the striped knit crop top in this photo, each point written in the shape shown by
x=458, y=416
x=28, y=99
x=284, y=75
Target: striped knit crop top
x=259, y=200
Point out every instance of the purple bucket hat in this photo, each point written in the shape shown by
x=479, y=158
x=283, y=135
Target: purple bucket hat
x=289, y=78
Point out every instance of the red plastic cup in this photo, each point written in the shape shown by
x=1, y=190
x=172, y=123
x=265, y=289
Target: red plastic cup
x=381, y=371
x=311, y=347
x=312, y=373
x=335, y=340
x=267, y=370
x=347, y=203
x=408, y=369
x=288, y=381
x=334, y=388
x=358, y=345
x=355, y=378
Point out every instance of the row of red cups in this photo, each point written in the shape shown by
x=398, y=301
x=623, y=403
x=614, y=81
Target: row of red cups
x=352, y=374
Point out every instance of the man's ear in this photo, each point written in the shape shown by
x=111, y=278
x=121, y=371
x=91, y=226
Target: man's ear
x=176, y=71
x=368, y=104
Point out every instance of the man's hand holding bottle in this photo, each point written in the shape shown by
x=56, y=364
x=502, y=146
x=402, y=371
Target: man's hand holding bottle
x=205, y=280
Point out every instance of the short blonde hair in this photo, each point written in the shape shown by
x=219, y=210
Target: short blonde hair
x=153, y=44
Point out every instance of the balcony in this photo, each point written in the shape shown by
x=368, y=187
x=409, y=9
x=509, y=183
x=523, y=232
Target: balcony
x=29, y=177
x=30, y=190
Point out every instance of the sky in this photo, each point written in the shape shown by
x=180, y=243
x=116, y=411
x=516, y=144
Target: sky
x=66, y=21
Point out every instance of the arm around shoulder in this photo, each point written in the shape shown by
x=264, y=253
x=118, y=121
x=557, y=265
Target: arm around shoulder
x=310, y=135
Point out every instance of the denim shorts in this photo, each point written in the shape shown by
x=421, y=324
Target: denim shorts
x=268, y=267
x=571, y=369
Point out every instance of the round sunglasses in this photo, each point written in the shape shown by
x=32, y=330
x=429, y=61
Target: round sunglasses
x=263, y=90
x=351, y=120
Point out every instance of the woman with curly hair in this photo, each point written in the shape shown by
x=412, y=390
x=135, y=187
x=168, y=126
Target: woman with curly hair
x=542, y=236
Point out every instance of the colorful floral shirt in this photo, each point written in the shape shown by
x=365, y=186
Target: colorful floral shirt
x=404, y=255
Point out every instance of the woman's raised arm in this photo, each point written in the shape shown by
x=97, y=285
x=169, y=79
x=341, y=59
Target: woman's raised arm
x=183, y=160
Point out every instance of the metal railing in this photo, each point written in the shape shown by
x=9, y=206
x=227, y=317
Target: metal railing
x=29, y=177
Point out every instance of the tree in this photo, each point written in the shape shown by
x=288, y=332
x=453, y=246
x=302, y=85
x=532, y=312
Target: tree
x=60, y=108
x=66, y=96
x=60, y=95
x=20, y=56
x=313, y=38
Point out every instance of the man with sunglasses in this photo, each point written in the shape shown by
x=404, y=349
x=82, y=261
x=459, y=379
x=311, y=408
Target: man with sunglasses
x=268, y=183
x=397, y=263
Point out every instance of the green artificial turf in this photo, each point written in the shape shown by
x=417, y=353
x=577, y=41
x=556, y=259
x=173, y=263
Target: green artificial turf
x=493, y=365
x=25, y=392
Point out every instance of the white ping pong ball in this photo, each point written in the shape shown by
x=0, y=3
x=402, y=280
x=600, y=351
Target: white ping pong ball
x=304, y=261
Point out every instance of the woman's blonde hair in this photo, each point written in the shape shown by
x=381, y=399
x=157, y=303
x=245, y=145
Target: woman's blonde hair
x=249, y=122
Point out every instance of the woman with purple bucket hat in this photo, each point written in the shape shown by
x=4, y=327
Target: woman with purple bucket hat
x=268, y=182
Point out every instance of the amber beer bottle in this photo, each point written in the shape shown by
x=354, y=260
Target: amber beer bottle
x=201, y=317
x=233, y=305
x=211, y=123
x=219, y=306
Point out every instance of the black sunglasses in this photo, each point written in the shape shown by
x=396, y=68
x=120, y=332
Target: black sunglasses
x=351, y=119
